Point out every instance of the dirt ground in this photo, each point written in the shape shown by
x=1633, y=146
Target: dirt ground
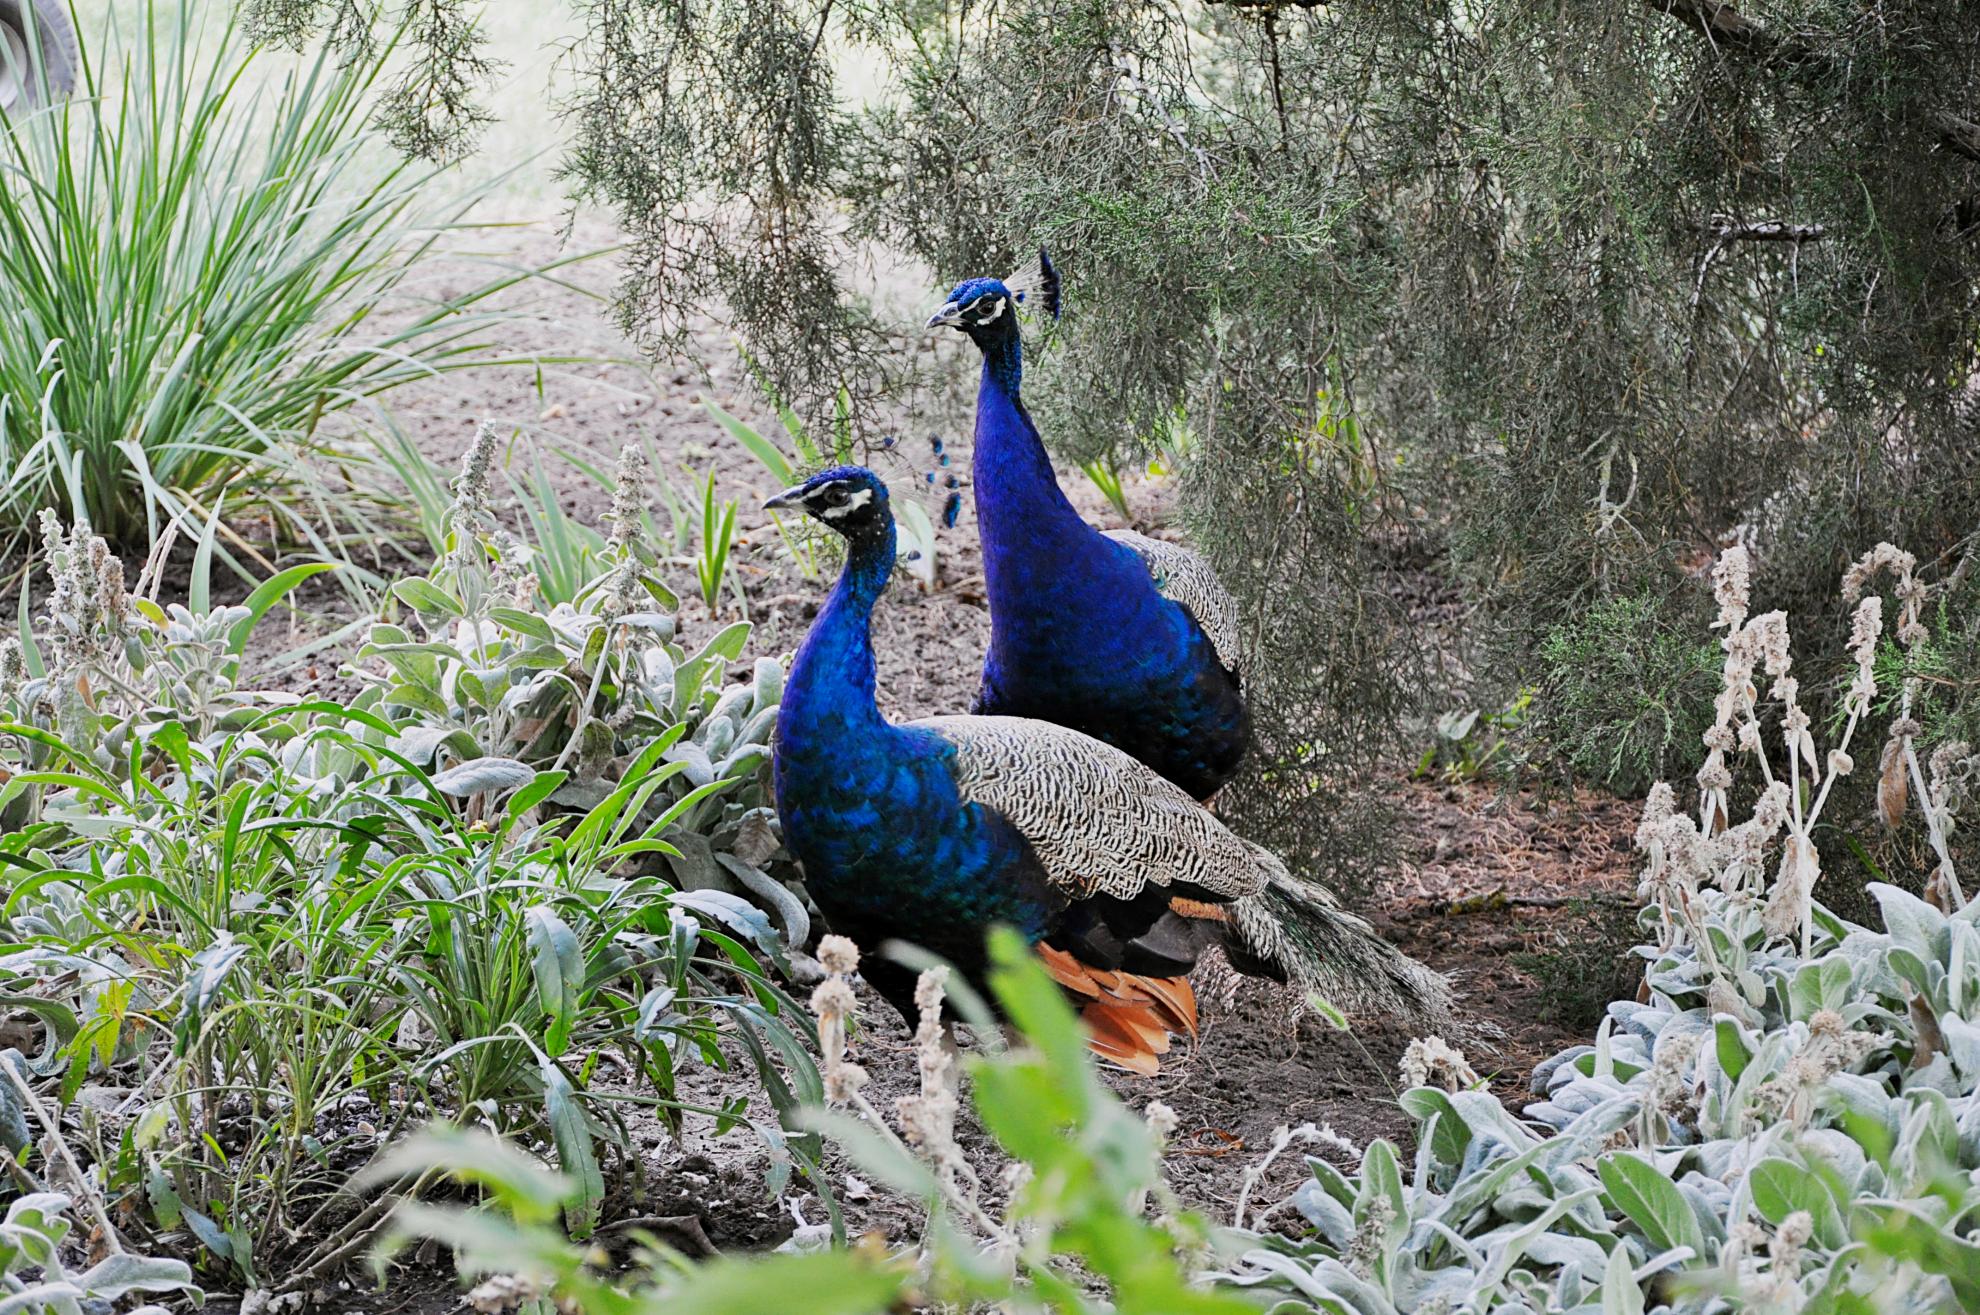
x=1483, y=875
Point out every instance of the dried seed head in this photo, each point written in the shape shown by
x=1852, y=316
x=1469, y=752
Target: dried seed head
x=1732, y=587
x=1431, y=1060
x=843, y=1081
x=1658, y=808
x=628, y=499
x=838, y=954
x=833, y=999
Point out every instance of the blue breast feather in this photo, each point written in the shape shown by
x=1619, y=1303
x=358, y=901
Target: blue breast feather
x=871, y=810
x=1079, y=633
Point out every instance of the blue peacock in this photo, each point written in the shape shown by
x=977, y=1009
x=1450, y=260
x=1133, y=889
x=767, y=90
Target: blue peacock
x=1127, y=638
x=931, y=831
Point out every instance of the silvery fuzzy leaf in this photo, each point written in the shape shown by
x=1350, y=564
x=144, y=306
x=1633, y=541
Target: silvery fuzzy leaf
x=1544, y=1074
x=734, y=704
x=1715, y=1195
x=757, y=729
x=1416, y=1289
x=1962, y=1046
x=767, y=684
x=1545, y=1111
x=1936, y=1076
x=1640, y=1019
x=1554, y=1249
x=715, y=735
x=1820, y=984
x=1329, y=1217
x=120, y=1274
x=790, y=910
x=1912, y=923
x=738, y=913
x=696, y=868
x=660, y=623
x=1520, y=1204
x=1587, y=1131
x=700, y=771
x=742, y=760
x=483, y=775
x=1836, y=1149
x=585, y=792
x=420, y=743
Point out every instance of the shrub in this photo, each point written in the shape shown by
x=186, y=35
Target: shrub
x=1626, y=694
x=1589, y=964
x=293, y=931
x=498, y=682
x=193, y=278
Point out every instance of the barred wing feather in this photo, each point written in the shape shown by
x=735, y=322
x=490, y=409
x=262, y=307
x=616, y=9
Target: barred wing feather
x=1100, y=822
x=1182, y=576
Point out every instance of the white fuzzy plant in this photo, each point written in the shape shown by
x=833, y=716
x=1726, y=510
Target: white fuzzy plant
x=1789, y=1120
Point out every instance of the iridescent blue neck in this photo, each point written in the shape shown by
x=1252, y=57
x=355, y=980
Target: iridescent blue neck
x=830, y=694
x=1003, y=361
x=1018, y=499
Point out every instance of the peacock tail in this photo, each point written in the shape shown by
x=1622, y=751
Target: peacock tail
x=1302, y=934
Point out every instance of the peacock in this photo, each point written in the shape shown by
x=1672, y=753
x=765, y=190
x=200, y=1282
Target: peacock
x=931, y=831
x=1127, y=638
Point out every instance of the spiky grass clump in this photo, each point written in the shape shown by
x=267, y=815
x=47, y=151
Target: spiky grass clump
x=192, y=270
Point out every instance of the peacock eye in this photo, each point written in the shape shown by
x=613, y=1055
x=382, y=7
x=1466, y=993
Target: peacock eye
x=985, y=304
x=835, y=494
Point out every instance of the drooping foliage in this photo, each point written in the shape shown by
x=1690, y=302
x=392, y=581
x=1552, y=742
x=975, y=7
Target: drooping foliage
x=1566, y=294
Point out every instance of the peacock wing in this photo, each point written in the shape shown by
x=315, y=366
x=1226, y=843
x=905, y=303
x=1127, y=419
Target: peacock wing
x=1100, y=822
x=1182, y=576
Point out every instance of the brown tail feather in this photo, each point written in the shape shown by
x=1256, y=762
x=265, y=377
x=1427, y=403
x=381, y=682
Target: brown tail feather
x=1129, y=1018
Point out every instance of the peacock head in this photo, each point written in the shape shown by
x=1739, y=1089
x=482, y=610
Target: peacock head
x=986, y=309
x=848, y=499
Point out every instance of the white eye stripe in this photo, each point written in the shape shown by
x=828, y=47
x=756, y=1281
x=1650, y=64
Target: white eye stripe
x=996, y=311
x=852, y=504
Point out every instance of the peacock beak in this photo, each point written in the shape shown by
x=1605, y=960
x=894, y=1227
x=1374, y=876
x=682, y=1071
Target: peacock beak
x=788, y=498
x=950, y=316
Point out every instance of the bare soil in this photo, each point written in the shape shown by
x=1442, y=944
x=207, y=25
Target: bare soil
x=1483, y=874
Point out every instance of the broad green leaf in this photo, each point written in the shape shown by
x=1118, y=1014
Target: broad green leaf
x=1651, y=1201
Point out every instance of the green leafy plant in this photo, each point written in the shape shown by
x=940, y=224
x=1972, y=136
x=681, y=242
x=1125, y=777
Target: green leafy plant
x=189, y=284
x=718, y=534
x=1106, y=476
x=1470, y=741
x=485, y=669
x=1076, y=1235
x=258, y=916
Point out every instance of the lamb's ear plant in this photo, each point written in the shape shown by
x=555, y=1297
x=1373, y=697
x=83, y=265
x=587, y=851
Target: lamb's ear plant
x=477, y=665
x=1785, y=1122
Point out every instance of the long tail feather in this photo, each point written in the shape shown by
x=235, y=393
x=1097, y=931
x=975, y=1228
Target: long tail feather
x=1296, y=929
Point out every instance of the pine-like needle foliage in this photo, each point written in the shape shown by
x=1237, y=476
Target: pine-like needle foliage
x=1602, y=284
